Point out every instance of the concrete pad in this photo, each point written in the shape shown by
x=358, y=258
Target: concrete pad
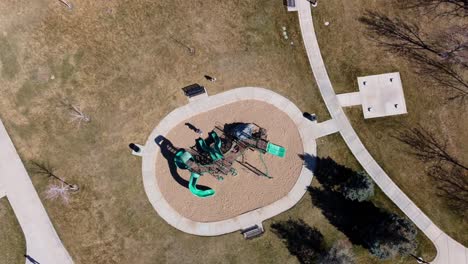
x=349, y=99
x=382, y=95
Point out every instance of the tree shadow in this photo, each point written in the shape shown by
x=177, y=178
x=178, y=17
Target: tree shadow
x=328, y=172
x=365, y=224
x=303, y=241
x=168, y=151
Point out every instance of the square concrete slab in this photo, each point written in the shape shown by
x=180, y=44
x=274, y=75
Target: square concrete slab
x=382, y=95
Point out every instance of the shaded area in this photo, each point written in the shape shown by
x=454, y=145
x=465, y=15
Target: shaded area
x=384, y=234
x=303, y=241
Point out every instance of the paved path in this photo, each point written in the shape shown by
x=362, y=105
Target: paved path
x=349, y=99
x=42, y=242
x=195, y=107
x=448, y=250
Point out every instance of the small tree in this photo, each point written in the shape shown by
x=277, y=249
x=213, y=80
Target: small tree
x=340, y=253
x=303, y=241
x=358, y=187
x=44, y=168
x=77, y=115
x=55, y=191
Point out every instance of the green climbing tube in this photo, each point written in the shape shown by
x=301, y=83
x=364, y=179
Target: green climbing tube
x=197, y=192
x=215, y=153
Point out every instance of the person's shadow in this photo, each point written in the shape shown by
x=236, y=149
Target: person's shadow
x=33, y=261
x=192, y=127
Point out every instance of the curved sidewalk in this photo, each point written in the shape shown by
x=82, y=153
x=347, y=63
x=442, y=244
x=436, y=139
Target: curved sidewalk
x=42, y=242
x=449, y=251
x=151, y=150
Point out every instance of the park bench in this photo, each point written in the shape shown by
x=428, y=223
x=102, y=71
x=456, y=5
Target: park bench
x=252, y=232
x=291, y=3
x=193, y=90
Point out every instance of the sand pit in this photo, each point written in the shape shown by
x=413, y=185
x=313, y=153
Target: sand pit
x=245, y=192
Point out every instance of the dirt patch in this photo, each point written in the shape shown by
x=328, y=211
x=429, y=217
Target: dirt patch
x=246, y=191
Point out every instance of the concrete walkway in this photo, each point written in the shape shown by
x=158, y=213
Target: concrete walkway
x=448, y=250
x=349, y=99
x=42, y=242
x=255, y=217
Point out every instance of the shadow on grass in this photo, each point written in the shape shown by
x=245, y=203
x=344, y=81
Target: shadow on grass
x=303, y=241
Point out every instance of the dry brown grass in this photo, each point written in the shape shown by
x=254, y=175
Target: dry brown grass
x=119, y=61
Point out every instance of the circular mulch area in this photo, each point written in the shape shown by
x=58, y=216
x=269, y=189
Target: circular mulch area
x=247, y=191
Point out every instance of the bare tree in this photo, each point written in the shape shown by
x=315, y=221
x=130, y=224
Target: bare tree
x=77, y=115
x=449, y=174
x=458, y=8
x=443, y=60
x=427, y=146
x=58, y=191
x=44, y=168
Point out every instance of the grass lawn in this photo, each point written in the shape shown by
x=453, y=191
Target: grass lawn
x=12, y=244
x=348, y=53
x=124, y=63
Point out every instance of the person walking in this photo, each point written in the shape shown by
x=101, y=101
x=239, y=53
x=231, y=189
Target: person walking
x=209, y=78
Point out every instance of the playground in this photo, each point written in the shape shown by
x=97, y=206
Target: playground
x=228, y=161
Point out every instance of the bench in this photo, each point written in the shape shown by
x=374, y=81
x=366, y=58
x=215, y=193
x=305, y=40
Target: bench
x=252, y=232
x=291, y=3
x=193, y=90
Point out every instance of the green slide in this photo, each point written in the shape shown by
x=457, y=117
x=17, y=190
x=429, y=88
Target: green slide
x=197, y=192
x=215, y=153
x=181, y=158
x=276, y=150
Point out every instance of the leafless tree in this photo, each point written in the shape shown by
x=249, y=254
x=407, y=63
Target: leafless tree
x=58, y=191
x=77, y=115
x=458, y=8
x=449, y=173
x=443, y=60
x=44, y=168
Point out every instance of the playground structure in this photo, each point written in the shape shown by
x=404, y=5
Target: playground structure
x=217, y=154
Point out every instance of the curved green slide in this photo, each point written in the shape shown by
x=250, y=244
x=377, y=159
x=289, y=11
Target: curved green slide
x=197, y=192
x=181, y=158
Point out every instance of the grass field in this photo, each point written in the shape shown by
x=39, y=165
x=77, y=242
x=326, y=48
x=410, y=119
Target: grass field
x=124, y=63
x=348, y=53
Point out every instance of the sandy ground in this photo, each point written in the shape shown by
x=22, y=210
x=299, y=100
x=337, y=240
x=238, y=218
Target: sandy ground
x=246, y=191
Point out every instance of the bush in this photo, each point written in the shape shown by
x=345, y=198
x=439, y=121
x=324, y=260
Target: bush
x=359, y=187
x=340, y=253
